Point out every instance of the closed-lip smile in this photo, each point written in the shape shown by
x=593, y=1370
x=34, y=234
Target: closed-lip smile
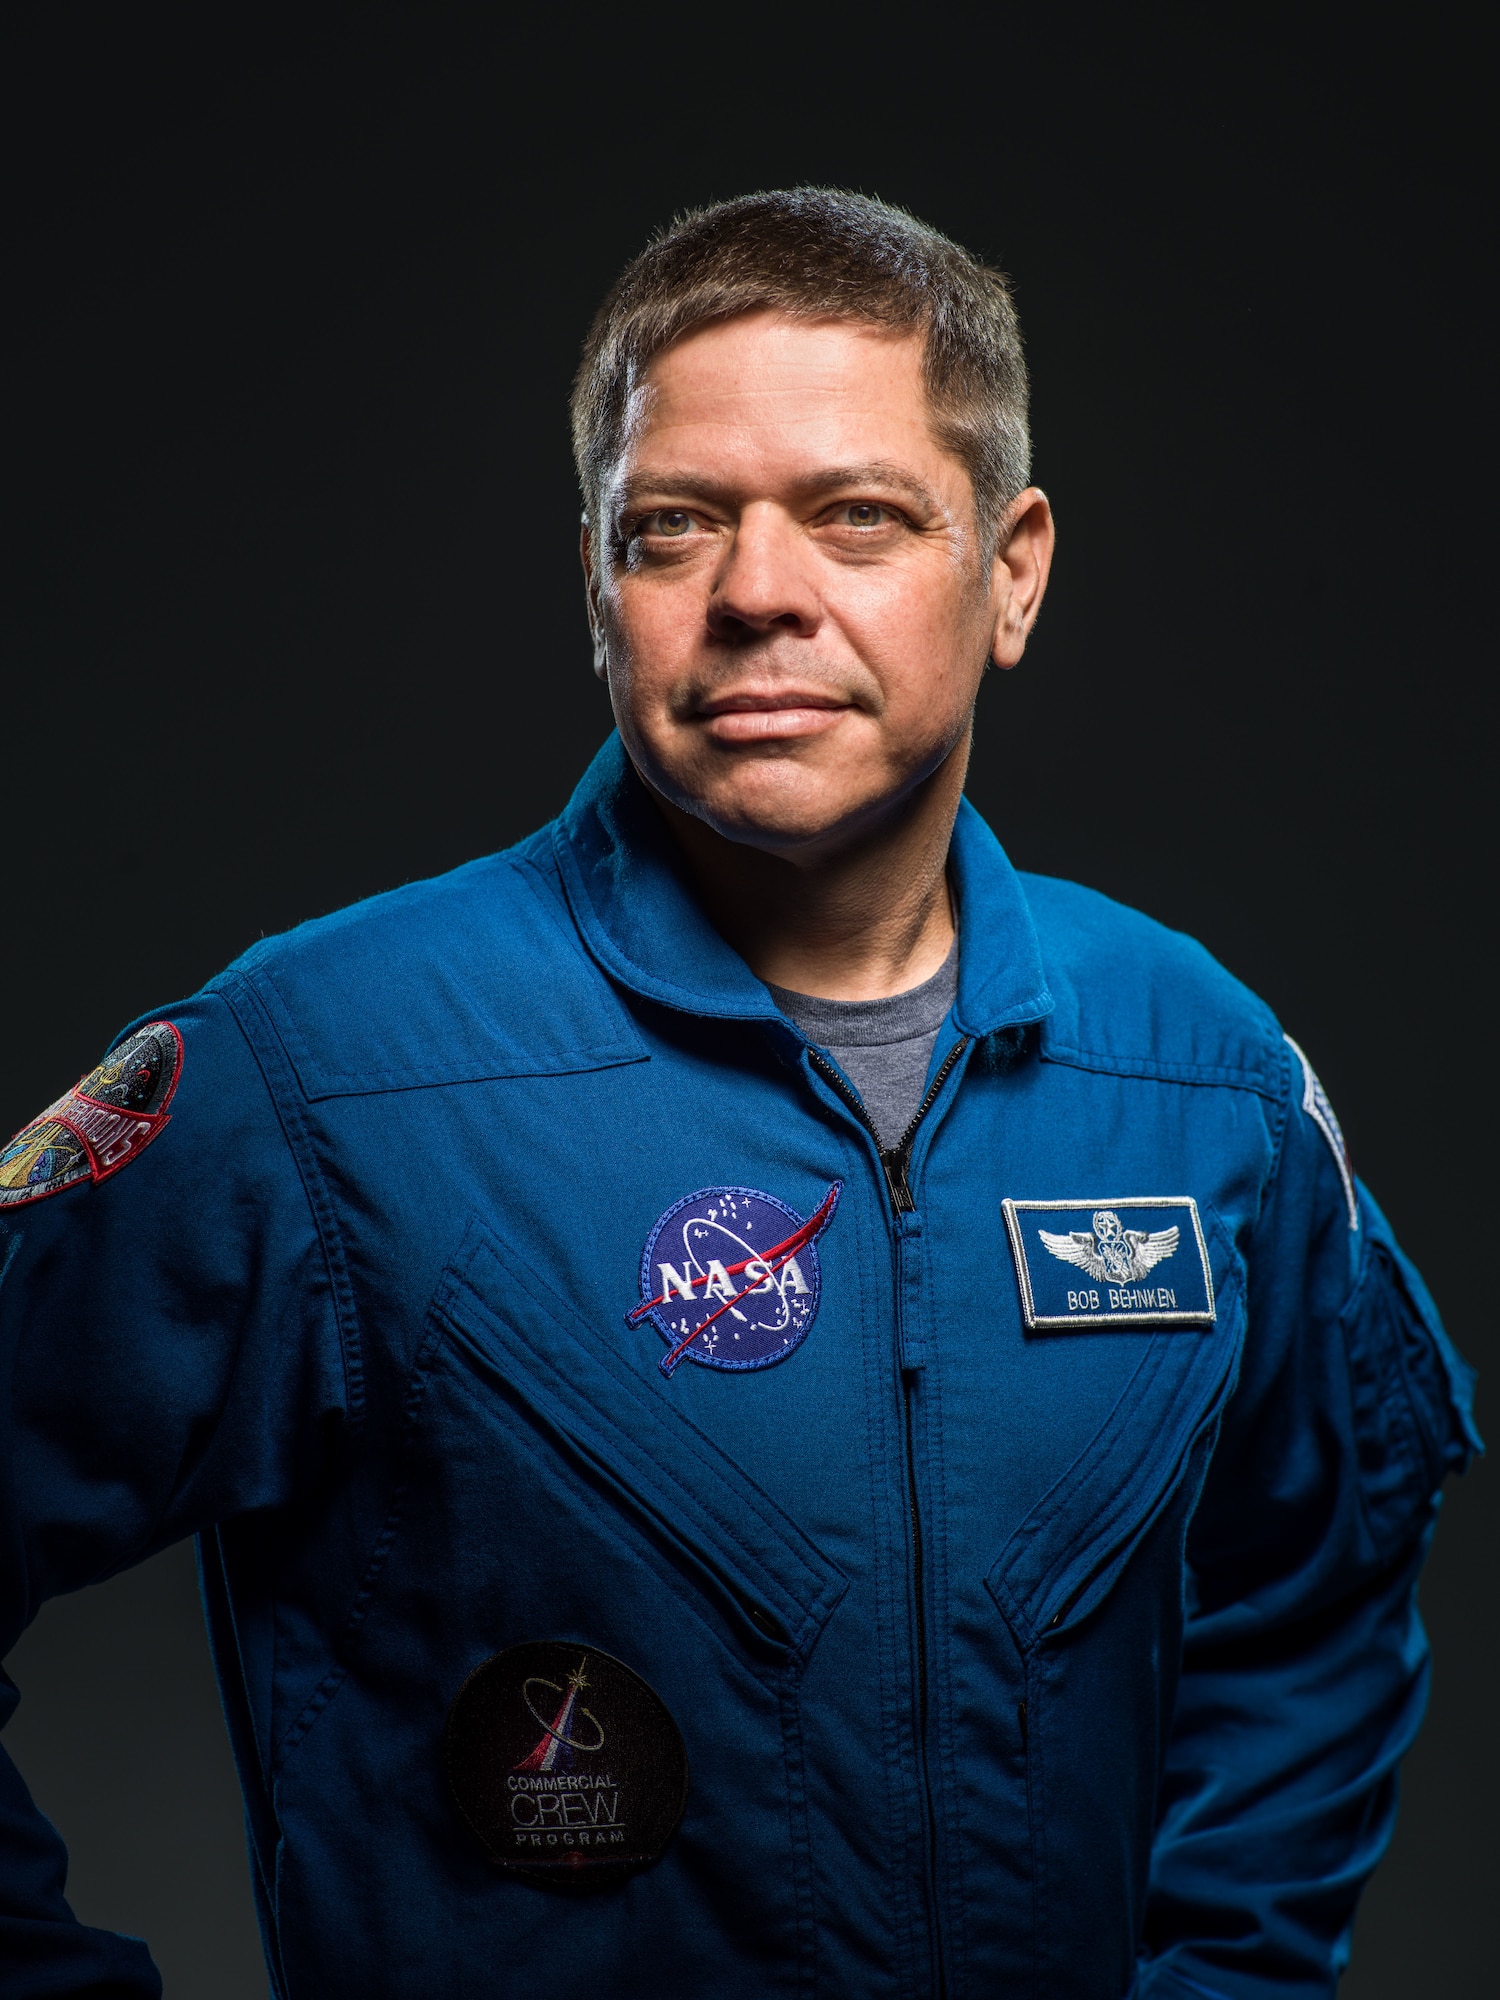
x=748, y=715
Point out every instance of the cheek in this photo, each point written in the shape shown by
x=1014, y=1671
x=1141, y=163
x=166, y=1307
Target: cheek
x=925, y=643
x=652, y=627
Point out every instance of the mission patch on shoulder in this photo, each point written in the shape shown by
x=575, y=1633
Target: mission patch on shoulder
x=565, y=1764
x=1315, y=1103
x=1111, y=1263
x=104, y=1120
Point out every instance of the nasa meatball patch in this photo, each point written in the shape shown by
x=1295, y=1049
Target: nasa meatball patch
x=1111, y=1263
x=101, y=1123
x=565, y=1764
x=730, y=1277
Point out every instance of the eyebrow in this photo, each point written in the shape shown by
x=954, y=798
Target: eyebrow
x=692, y=484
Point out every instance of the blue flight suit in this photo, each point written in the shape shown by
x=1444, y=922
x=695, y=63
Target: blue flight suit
x=1056, y=1660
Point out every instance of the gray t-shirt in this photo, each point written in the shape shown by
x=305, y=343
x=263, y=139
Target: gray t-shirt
x=884, y=1047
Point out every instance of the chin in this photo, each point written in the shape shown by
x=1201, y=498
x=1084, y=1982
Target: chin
x=794, y=808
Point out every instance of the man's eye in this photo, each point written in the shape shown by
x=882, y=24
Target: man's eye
x=865, y=514
x=669, y=522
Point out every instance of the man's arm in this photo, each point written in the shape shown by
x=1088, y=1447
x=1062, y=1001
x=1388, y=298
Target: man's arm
x=169, y=1357
x=1305, y=1663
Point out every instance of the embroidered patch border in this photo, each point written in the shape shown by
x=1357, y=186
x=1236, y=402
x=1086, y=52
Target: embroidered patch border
x=689, y=1327
x=567, y=1766
x=99, y=1125
x=1315, y=1103
x=1134, y=1315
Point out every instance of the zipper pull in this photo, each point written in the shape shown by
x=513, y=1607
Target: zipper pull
x=896, y=1163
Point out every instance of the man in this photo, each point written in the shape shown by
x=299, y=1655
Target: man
x=771, y=1407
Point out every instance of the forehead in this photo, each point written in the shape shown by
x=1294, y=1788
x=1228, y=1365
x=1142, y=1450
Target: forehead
x=762, y=395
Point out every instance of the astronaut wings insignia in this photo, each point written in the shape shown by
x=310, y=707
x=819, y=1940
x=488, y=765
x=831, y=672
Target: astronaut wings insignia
x=1089, y=1269
x=1109, y=1252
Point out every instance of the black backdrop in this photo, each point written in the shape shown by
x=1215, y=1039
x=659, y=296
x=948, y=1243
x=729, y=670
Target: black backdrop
x=291, y=611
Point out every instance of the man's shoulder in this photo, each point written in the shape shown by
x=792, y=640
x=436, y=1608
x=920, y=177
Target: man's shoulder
x=487, y=898
x=1137, y=999
x=476, y=973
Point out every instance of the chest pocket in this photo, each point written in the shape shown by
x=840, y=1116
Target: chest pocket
x=612, y=1426
x=1064, y=1557
x=549, y=1494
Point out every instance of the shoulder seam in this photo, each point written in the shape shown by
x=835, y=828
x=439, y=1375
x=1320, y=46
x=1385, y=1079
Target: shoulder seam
x=1283, y=1099
x=616, y=1042
x=1223, y=1076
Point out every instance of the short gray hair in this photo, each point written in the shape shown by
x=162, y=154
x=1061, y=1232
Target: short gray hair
x=818, y=253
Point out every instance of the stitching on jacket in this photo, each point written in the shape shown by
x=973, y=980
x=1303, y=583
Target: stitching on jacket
x=826, y=1580
x=1280, y=1124
x=269, y=1053
x=690, y=1442
x=616, y=963
x=643, y=1548
x=413, y=1400
x=794, y=1765
x=325, y=1082
x=1122, y=1509
x=611, y=957
x=610, y=1052
x=1036, y=1795
x=436, y=1342
x=888, y=1518
x=1062, y=1497
x=1061, y=1500
x=1124, y=1499
x=1389, y=1407
x=577, y=1441
x=879, y=1373
x=1224, y=1076
x=934, y=1432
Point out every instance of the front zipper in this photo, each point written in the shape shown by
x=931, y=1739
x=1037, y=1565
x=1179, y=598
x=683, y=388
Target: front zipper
x=895, y=1162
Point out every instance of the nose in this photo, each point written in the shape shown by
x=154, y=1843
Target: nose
x=764, y=583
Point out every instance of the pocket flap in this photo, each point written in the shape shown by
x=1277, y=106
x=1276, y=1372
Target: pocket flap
x=1064, y=1557
x=653, y=1457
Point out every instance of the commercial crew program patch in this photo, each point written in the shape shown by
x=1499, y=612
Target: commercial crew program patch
x=730, y=1277
x=565, y=1764
x=1117, y=1262
x=101, y=1123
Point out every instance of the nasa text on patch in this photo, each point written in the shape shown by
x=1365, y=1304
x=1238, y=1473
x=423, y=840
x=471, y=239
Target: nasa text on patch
x=730, y=1277
x=1116, y=1262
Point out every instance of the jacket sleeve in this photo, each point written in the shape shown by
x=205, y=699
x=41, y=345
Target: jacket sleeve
x=170, y=1357
x=1305, y=1663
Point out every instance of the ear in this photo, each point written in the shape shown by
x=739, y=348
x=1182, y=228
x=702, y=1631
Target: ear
x=1018, y=580
x=591, y=600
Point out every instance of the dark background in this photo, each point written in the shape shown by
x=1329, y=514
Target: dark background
x=291, y=613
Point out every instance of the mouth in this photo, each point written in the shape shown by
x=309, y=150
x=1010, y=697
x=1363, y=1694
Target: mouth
x=750, y=716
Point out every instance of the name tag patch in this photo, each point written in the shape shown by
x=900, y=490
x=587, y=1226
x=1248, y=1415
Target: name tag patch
x=1111, y=1262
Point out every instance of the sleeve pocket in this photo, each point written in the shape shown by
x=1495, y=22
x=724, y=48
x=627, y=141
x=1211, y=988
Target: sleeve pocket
x=1411, y=1395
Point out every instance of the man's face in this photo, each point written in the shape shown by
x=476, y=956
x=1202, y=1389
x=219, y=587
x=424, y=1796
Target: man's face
x=788, y=592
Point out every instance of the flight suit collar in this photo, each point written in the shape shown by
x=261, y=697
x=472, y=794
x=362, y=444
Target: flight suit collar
x=640, y=915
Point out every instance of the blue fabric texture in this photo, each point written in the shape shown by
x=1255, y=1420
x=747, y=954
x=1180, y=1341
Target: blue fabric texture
x=1071, y=1663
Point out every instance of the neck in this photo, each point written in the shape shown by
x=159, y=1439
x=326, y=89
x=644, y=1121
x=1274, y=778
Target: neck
x=854, y=921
